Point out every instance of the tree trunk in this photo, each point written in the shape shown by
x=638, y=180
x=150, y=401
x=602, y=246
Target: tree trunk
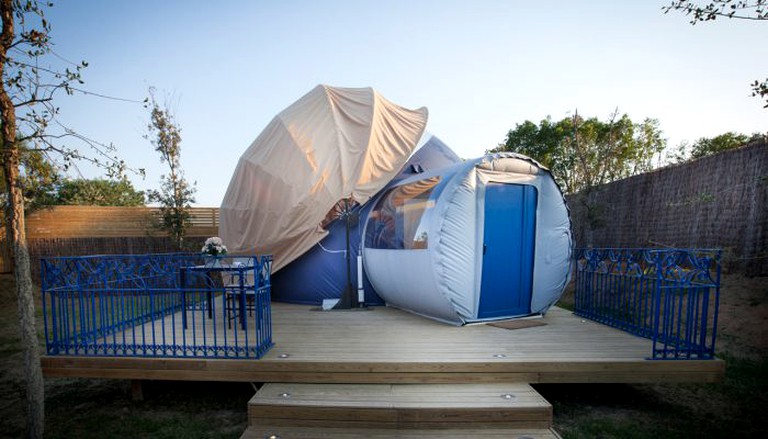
x=15, y=218
x=26, y=308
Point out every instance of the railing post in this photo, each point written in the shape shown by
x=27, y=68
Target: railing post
x=51, y=345
x=716, y=311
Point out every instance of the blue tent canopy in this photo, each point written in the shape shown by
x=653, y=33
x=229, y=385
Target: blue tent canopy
x=321, y=272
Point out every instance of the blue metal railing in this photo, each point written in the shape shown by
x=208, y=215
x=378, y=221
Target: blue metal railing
x=670, y=296
x=157, y=305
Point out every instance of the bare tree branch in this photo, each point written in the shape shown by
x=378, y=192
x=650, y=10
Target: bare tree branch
x=738, y=9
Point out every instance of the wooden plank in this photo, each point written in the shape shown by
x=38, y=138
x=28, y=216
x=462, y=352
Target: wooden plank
x=400, y=406
x=484, y=395
x=241, y=376
x=267, y=365
x=148, y=373
x=267, y=431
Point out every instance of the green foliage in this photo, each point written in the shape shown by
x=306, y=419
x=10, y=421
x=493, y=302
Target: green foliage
x=176, y=194
x=98, y=192
x=174, y=199
x=724, y=142
x=42, y=185
x=583, y=153
x=707, y=146
x=38, y=178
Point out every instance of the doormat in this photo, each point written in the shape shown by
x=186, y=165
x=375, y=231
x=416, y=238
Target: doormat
x=518, y=324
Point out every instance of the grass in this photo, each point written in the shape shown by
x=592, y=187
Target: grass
x=733, y=408
x=86, y=408
x=90, y=408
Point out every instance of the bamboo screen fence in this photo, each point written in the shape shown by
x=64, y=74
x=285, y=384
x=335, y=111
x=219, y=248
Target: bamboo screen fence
x=75, y=230
x=717, y=201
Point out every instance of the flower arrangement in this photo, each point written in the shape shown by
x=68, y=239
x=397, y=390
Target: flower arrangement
x=214, y=246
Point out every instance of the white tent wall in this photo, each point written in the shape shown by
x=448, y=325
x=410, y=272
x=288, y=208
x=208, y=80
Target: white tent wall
x=408, y=279
x=554, y=251
x=454, y=254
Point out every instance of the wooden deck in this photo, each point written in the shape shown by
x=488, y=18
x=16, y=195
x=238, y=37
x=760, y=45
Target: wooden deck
x=386, y=345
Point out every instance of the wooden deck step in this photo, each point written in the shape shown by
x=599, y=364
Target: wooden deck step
x=351, y=407
x=257, y=432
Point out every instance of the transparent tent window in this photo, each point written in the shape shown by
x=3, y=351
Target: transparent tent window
x=398, y=221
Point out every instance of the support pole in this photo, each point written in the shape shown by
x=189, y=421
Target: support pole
x=348, y=297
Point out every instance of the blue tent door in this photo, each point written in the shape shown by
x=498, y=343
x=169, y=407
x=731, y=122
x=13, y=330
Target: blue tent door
x=509, y=242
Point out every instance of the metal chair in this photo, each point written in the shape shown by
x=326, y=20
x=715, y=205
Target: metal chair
x=240, y=283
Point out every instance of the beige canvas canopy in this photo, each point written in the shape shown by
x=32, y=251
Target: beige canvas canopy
x=332, y=144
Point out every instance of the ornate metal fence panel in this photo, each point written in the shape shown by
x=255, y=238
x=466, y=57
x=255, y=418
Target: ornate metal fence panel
x=158, y=305
x=670, y=296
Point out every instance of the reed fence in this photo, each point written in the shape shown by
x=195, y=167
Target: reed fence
x=82, y=230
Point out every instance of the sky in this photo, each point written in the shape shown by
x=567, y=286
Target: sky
x=226, y=68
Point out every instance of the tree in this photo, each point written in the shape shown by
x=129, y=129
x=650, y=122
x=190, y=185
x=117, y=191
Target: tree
x=175, y=195
x=98, y=192
x=735, y=9
x=585, y=153
x=28, y=114
x=38, y=178
x=738, y=9
x=708, y=146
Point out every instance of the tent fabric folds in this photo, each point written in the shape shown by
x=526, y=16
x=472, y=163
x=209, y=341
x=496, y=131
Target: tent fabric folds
x=332, y=144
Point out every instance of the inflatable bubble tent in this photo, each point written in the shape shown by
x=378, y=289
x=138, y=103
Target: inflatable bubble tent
x=481, y=240
x=456, y=241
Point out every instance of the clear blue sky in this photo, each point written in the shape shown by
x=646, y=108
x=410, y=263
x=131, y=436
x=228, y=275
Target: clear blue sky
x=228, y=67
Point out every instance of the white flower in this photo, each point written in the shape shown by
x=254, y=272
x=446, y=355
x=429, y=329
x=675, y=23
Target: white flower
x=214, y=246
